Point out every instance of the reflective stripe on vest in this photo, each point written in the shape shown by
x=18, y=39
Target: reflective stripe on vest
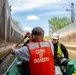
x=42, y=44
x=33, y=46
x=59, y=51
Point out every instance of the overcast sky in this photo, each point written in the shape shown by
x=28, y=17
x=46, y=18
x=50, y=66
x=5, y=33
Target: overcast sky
x=32, y=13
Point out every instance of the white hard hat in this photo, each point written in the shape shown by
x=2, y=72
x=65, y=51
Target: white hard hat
x=55, y=36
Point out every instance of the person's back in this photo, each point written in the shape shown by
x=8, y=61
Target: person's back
x=41, y=57
x=39, y=54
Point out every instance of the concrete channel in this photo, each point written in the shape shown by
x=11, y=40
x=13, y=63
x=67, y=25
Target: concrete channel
x=72, y=51
x=6, y=58
x=6, y=63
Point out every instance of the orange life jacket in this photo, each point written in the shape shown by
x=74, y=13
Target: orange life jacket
x=41, y=58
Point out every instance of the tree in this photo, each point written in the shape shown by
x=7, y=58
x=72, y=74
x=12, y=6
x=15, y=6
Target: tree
x=57, y=23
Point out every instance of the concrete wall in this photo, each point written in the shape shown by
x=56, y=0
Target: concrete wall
x=2, y=19
x=69, y=38
x=68, y=34
x=7, y=32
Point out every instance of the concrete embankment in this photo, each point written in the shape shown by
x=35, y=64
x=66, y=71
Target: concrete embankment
x=4, y=51
x=72, y=51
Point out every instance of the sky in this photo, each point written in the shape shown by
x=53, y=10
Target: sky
x=33, y=13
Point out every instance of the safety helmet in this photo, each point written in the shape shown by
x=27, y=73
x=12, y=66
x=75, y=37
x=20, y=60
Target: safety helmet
x=55, y=36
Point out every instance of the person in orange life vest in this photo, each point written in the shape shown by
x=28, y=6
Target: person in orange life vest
x=38, y=53
x=60, y=52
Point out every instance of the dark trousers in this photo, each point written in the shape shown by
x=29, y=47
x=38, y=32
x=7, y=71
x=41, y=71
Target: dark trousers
x=25, y=68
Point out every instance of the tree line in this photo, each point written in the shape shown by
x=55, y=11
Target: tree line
x=57, y=23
